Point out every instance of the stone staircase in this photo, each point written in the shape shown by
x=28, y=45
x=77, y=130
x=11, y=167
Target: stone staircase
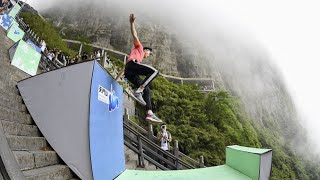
x=33, y=154
x=132, y=161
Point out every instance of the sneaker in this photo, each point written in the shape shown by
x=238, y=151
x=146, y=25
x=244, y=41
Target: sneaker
x=139, y=90
x=139, y=97
x=153, y=118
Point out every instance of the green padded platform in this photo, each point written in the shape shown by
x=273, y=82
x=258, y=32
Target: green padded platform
x=242, y=163
x=249, y=149
x=255, y=163
x=218, y=172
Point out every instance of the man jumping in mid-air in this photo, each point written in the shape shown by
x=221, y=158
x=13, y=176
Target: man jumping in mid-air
x=134, y=68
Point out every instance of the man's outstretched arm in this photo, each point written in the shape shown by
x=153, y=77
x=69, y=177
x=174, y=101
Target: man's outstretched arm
x=133, y=29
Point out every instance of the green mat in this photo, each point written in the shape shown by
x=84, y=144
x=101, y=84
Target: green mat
x=26, y=58
x=218, y=172
x=15, y=33
x=14, y=11
x=253, y=162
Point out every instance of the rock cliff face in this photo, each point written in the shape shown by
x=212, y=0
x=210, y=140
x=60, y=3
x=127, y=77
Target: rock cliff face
x=171, y=56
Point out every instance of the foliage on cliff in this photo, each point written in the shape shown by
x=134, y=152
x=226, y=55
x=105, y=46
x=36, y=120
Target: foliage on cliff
x=46, y=31
x=203, y=124
x=206, y=124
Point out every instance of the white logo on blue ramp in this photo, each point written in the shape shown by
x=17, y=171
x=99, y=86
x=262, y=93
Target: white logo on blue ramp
x=108, y=97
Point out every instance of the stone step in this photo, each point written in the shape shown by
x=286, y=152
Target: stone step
x=5, y=41
x=4, y=53
x=12, y=72
x=17, y=129
x=14, y=116
x=5, y=44
x=10, y=89
x=36, y=159
x=9, y=85
x=132, y=161
x=5, y=58
x=149, y=166
x=59, y=172
x=10, y=95
x=12, y=104
x=19, y=143
x=131, y=156
x=132, y=164
x=9, y=73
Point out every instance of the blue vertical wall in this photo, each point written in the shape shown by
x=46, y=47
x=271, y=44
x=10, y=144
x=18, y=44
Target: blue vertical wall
x=106, y=126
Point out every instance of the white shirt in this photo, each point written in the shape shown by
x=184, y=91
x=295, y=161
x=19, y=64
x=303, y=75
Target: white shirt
x=164, y=141
x=50, y=56
x=43, y=46
x=98, y=56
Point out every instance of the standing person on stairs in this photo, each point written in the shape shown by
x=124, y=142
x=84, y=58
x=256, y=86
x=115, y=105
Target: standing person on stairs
x=134, y=68
x=3, y=5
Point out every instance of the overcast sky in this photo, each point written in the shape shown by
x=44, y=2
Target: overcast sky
x=289, y=29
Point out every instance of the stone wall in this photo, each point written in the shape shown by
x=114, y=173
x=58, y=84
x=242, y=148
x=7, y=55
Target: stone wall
x=128, y=103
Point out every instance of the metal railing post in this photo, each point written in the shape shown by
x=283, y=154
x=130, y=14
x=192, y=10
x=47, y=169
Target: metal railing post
x=102, y=56
x=177, y=163
x=141, y=156
x=126, y=115
x=125, y=59
x=201, y=162
x=80, y=49
x=105, y=61
x=150, y=132
x=176, y=148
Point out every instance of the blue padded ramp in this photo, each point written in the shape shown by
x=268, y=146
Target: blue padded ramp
x=106, y=126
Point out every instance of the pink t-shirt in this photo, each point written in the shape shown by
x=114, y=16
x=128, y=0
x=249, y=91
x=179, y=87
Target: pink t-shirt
x=137, y=52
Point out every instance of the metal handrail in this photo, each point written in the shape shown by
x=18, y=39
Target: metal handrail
x=146, y=139
x=134, y=145
x=199, y=163
x=136, y=126
x=181, y=155
x=157, y=164
x=153, y=139
x=153, y=150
